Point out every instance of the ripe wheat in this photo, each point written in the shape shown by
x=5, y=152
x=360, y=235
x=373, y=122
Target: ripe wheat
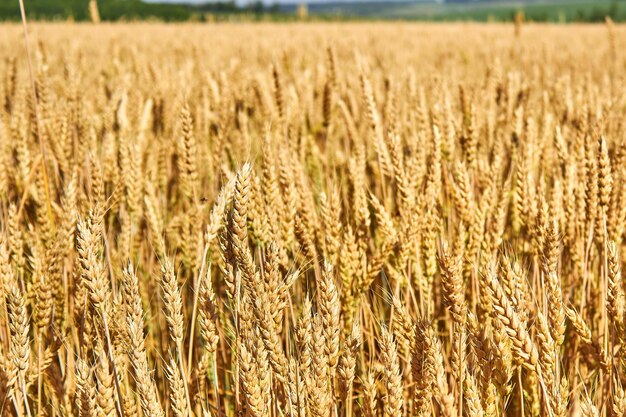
x=313, y=220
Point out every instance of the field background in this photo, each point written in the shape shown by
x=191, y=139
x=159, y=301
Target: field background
x=558, y=11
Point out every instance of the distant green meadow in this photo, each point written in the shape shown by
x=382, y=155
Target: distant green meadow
x=538, y=11
x=548, y=11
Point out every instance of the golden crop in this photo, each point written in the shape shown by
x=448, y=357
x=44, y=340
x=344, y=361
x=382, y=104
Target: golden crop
x=312, y=220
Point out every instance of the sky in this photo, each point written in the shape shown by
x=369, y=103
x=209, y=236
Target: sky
x=265, y=1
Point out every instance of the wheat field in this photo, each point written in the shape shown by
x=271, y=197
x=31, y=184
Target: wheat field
x=325, y=220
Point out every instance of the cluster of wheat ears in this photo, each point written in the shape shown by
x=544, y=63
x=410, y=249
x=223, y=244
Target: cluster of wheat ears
x=319, y=221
